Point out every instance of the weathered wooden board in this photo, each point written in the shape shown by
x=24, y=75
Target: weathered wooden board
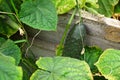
x=101, y=31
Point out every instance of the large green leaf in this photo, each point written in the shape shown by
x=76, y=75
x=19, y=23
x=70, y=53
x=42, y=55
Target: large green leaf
x=61, y=68
x=8, y=69
x=9, y=48
x=109, y=64
x=91, y=56
x=106, y=7
x=39, y=14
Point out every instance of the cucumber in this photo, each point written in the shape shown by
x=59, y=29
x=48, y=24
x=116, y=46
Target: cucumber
x=74, y=42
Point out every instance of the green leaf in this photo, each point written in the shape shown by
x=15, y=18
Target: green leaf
x=61, y=68
x=91, y=56
x=117, y=8
x=64, y=6
x=9, y=48
x=109, y=64
x=5, y=6
x=39, y=14
x=93, y=3
x=106, y=7
x=17, y=3
x=0, y=1
x=82, y=3
x=8, y=69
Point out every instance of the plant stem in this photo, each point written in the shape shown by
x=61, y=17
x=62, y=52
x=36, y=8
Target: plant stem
x=20, y=41
x=60, y=47
x=79, y=11
x=13, y=5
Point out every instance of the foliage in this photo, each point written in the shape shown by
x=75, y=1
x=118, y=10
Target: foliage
x=108, y=64
x=13, y=15
x=38, y=15
x=8, y=22
x=9, y=48
x=64, y=6
x=117, y=8
x=105, y=7
x=91, y=56
x=42, y=15
x=53, y=69
x=8, y=69
x=33, y=13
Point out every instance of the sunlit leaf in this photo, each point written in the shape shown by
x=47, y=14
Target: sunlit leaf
x=64, y=6
x=109, y=64
x=61, y=68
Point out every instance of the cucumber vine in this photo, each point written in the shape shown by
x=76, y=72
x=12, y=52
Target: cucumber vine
x=18, y=63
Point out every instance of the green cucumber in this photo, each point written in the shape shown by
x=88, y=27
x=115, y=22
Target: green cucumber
x=10, y=22
x=74, y=42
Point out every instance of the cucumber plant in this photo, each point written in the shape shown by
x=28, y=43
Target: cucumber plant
x=72, y=47
x=42, y=15
x=14, y=16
